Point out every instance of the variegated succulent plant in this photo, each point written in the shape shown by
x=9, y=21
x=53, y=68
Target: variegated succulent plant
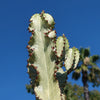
x=48, y=54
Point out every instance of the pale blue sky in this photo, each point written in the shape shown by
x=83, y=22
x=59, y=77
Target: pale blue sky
x=79, y=20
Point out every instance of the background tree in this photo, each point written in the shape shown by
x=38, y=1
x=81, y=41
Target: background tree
x=89, y=70
x=73, y=92
x=76, y=92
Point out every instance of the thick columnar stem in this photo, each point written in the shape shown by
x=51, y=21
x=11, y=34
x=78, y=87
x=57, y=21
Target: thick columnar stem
x=47, y=55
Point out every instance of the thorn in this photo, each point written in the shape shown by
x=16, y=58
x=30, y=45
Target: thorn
x=32, y=65
x=36, y=77
x=55, y=78
x=32, y=49
x=53, y=48
x=57, y=56
x=49, y=25
x=37, y=72
x=55, y=32
x=28, y=47
x=29, y=30
x=30, y=24
x=57, y=67
x=61, y=55
x=37, y=97
x=45, y=33
x=56, y=53
x=35, y=67
x=64, y=35
x=30, y=54
x=49, y=31
x=57, y=62
x=55, y=71
x=54, y=75
x=30, y=21
x=27, y=60
x=33, y=32
x=42, y=13
x=47, y=21
x=31, y=37
x=28, y=65
x=43, y=17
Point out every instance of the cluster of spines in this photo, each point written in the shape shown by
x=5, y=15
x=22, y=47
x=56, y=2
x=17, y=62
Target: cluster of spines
x=51, y=26
x=58, y=62
x=31, y=58
x=51, y=34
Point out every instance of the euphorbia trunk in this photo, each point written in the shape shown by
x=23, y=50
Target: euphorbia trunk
x=85, y=85
x=47, y=56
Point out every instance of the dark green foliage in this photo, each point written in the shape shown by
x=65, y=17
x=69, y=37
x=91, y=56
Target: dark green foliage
x=75, y=92
x=95, y=58
x=94, y=95
x=94, y=76
x=84, y=53
x=76, y=76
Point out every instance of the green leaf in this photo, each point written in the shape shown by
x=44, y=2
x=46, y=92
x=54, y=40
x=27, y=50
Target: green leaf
x=76, y=75
x=86, y=52
x=94, y=58
x=78, y=70
x=84, y=68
